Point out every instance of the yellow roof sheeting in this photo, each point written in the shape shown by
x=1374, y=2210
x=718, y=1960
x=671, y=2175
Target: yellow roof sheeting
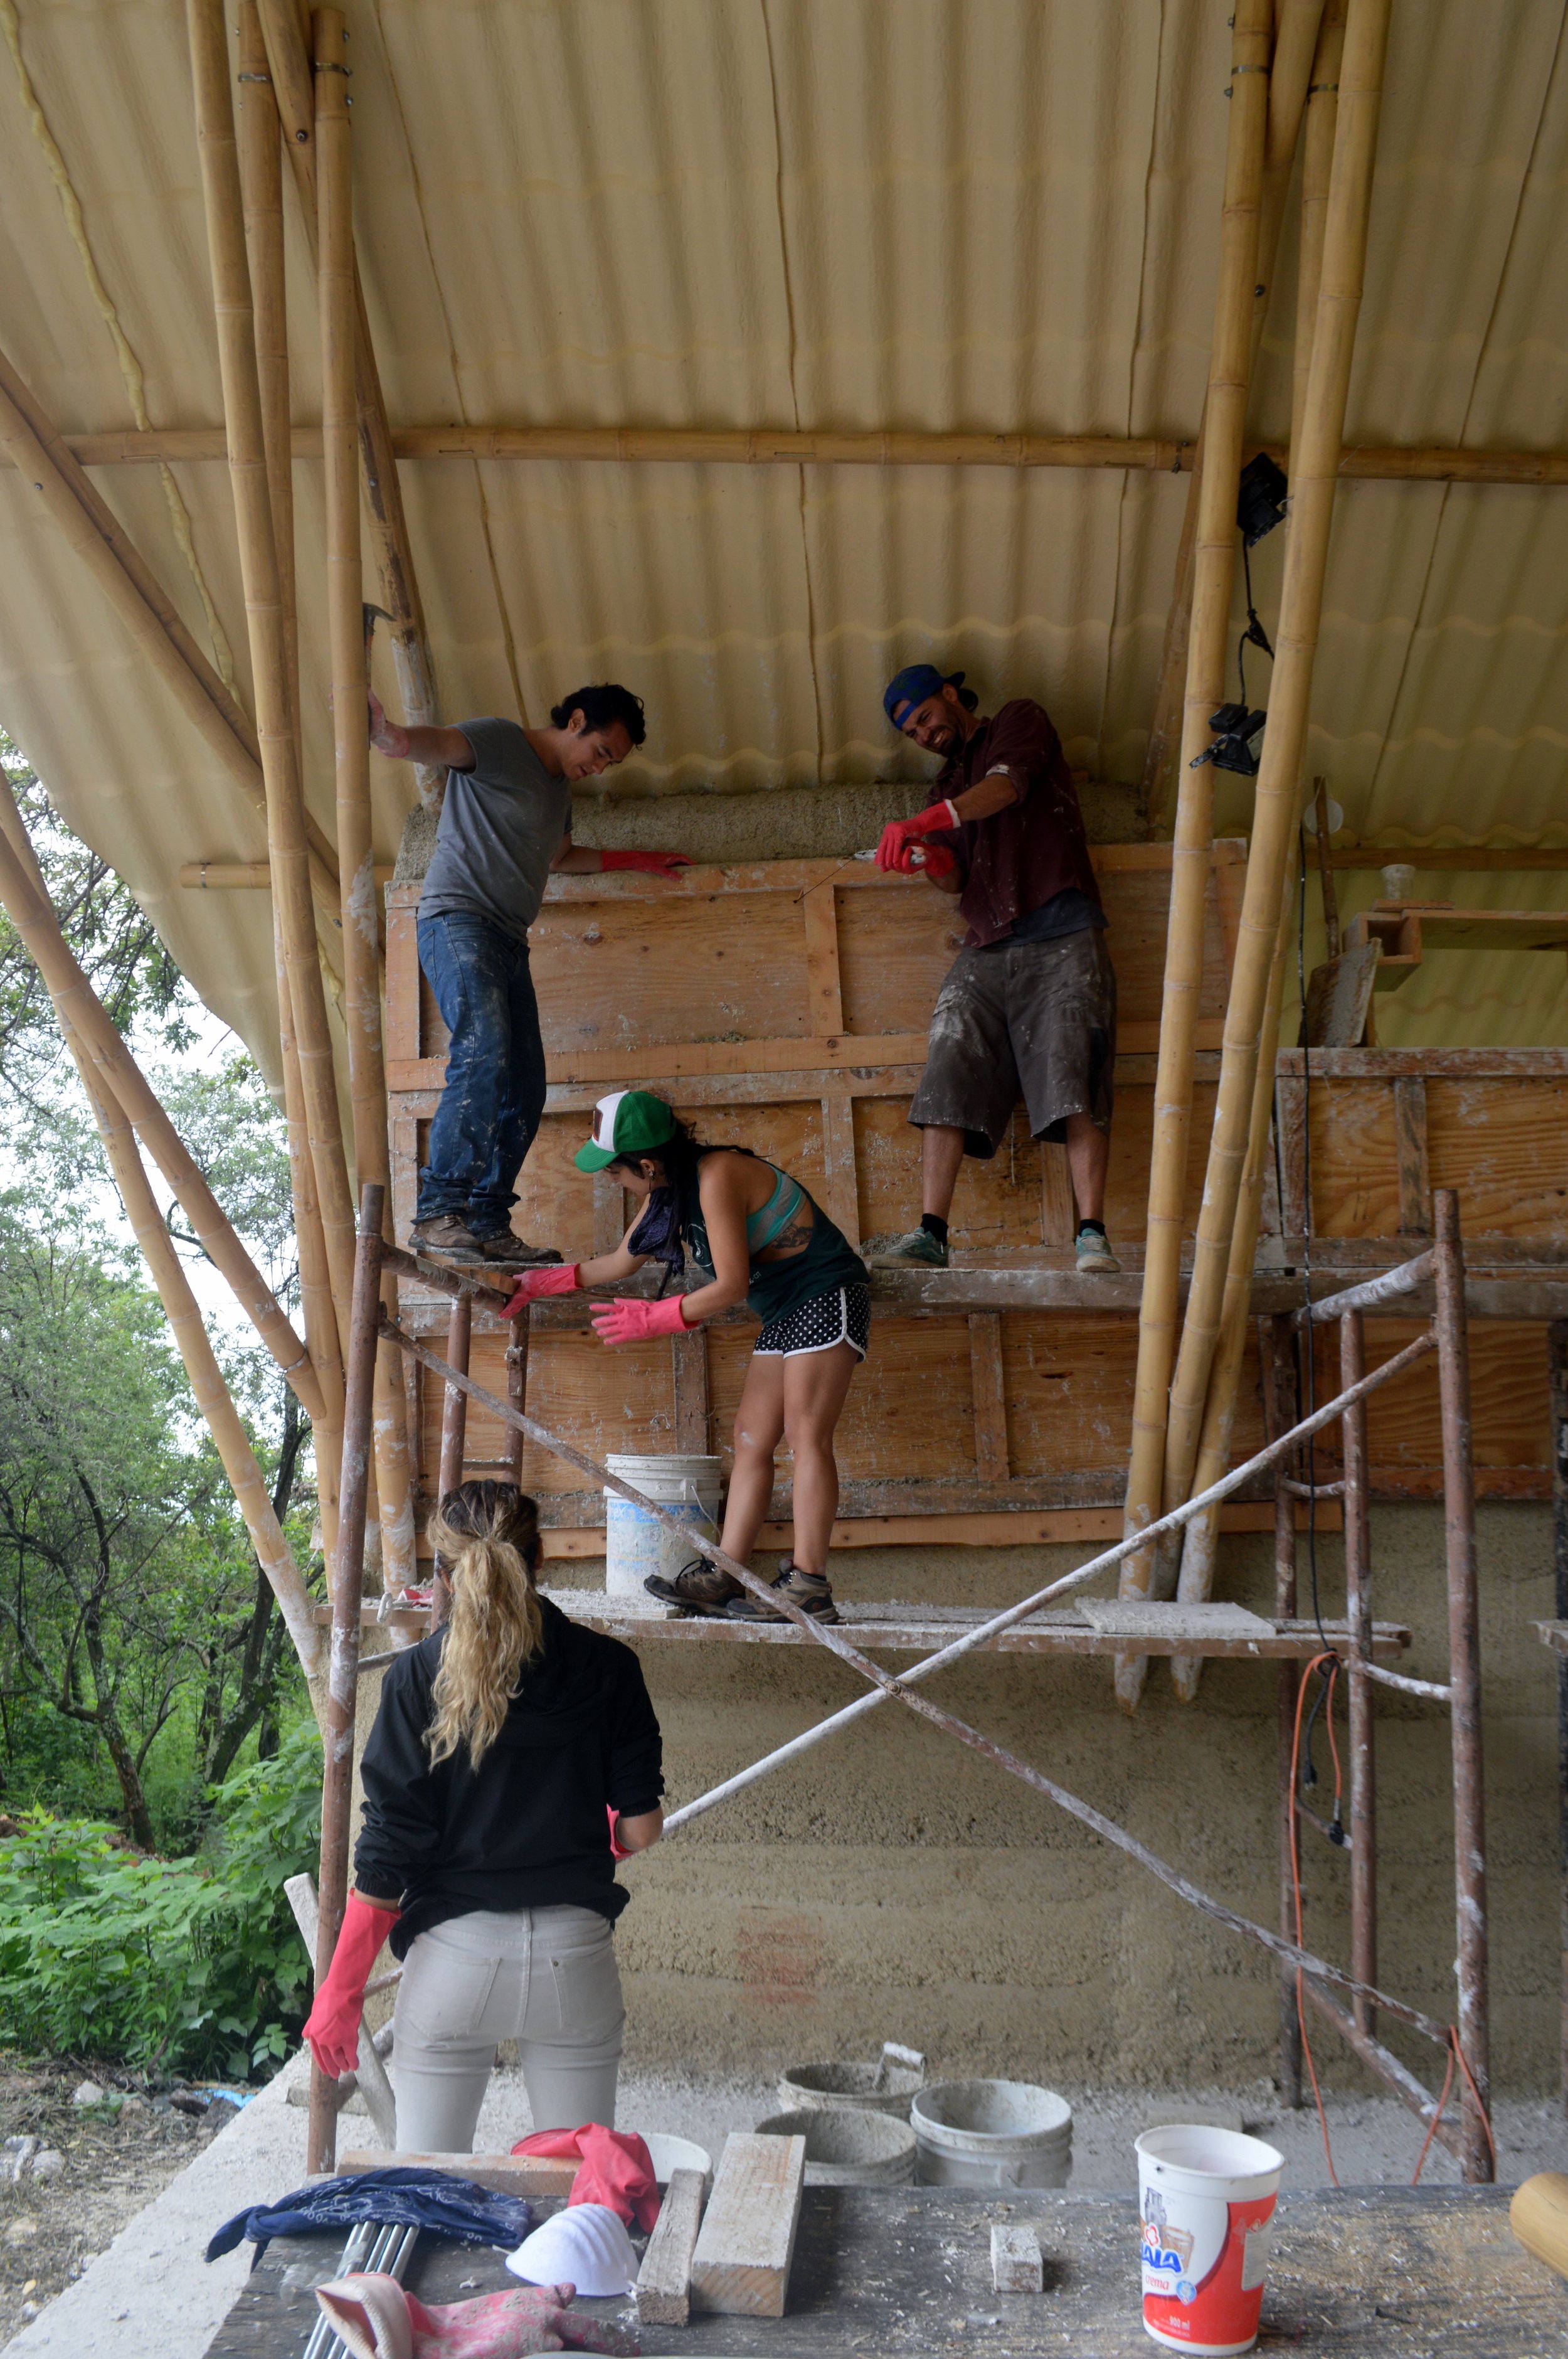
x=994, y=215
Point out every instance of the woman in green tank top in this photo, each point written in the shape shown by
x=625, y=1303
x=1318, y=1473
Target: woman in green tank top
x=755, y=1236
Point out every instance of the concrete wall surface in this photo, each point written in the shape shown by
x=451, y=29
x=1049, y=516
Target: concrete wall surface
x=894, y=1886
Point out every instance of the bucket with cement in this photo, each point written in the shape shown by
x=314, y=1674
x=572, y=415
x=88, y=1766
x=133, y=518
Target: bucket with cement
x=1206, y=2199
x=845, y=2145
x=992, y=2133
x=635, y=1545
x=885, y=2084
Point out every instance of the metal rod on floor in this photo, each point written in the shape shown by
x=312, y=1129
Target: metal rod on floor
x=1465, y=1677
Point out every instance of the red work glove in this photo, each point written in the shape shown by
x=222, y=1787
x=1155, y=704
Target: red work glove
x=333, y=2027
x=555, y=1278
x=901, y=835
x=651, y=863
x=635, y=1322
x=616, y=1848
x=617, y=2170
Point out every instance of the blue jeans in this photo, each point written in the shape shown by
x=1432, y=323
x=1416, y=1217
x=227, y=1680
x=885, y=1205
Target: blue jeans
x=494, y=1095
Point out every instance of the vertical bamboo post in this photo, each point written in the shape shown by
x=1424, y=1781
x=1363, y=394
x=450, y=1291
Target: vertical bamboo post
x=263, y=614
x=317, y=1307
x=1465, y=1684
x=348, y=1578
x=1275, y=810
x=1280, y=1395
x=1358, y=1621
x=1557, y=1368
x=345, y=612
x=1192, y=852
x=1317, y=164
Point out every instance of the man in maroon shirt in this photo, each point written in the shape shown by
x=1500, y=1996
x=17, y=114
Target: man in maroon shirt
x=1029, y=1006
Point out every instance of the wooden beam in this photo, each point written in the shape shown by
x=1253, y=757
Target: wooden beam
x=988, y=1393
x=740, y=2264
x=1411, y=1157
x=663, y=2281
x=690, y=1357
x=758, y=447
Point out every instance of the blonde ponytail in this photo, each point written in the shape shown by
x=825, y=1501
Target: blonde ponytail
x=487, y=1537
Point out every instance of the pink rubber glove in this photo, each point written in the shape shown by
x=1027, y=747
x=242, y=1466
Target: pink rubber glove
x=635, y=1322
x=651, y=863
x=555, y=1278
x=333, y=2027
x=616, y=1848
x=901, y=835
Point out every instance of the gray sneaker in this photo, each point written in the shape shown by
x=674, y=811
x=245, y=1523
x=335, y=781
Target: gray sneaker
x=918, y=1250
x=1093, y=1255
x=445, y=1238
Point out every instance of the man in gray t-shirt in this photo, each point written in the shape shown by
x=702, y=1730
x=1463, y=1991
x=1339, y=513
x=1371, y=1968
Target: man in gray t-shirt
x=505, y=823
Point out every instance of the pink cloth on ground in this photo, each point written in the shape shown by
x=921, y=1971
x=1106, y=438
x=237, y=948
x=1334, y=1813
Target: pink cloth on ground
x=377, y=2319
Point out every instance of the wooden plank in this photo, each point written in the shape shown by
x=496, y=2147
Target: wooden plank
x=1494, y=929
x=1446, y=1064
x=691, y=1408
x=990, y=1398
x=1016, y=2263
x=402, y=1035
x=1028, y=1528
x=663, y=2281
x=840, y=1185
x=824, y=986
x=744, y=2247
x=543, y=2177
x=1059, y=1208
x=609, y=1213
x=1414, y=1174
x=1290, y=1100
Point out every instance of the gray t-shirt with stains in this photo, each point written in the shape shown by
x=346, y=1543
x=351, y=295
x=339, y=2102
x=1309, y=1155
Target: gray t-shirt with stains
x=501, y=824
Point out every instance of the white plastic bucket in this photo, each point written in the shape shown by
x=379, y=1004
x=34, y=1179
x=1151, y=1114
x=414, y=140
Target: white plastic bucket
x=635, y=1545
x=853, y=2084
x=668, y=2153
x=847, y=2147
x=1206, y=2200
x=992, y=2133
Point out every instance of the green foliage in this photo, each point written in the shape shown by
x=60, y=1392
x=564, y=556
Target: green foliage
x=189, y=1965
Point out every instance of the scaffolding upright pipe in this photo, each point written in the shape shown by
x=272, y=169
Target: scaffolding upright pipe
x=454, y=1434
x=1464, y=1683
x=1557, y=1373
x=1280, y=1398
x=517, y=1395
x=348, y=1587
x=1358, y=1622
x=1192, y=853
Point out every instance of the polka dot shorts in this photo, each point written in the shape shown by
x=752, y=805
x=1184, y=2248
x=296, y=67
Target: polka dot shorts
x=842, y=1317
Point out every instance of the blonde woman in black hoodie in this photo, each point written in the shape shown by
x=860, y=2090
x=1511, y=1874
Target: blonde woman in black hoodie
x=512, y=1749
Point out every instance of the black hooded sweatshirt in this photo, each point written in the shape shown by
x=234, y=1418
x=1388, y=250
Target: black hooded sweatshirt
x=528, y=1830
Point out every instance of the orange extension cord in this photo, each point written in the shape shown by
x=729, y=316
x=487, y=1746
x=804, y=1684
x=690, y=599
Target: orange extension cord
x=1334, y=1664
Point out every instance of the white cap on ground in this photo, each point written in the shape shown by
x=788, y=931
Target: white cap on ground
x=585, y=2246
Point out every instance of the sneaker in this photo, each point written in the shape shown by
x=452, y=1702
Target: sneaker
x=918, y=1250
x=809, y=1590
x=445, y=1238
x=699, y=1588
x=1094, y=1256
x=505, y=1246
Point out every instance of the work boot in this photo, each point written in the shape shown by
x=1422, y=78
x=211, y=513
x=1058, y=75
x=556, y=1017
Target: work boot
x=445, y=1238
x=918, y=1250
x=809, y=1590
x=505, y=1246
x=699, y=1588
x=1094, y=1258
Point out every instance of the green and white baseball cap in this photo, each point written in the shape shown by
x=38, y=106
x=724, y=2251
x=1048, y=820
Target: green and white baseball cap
x=628, y=1122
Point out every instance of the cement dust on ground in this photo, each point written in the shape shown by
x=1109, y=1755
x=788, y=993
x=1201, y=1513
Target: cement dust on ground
x=115, y=2155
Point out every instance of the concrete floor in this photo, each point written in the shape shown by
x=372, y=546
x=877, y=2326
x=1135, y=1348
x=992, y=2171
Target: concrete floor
x=152, y=2292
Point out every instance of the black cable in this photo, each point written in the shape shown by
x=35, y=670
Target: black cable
x=1254, y=635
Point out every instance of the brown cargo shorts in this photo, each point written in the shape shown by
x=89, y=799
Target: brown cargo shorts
x=1035, y=1020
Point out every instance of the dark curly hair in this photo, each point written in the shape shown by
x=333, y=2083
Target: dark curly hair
x=602, y=704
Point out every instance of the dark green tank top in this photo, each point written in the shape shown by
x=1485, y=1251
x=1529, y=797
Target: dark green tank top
x=777, y=1288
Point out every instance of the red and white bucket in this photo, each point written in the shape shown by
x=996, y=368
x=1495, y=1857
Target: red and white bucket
x=1206, y=2200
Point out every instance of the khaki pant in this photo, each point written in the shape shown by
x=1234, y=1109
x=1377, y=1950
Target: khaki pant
x=544, y=1977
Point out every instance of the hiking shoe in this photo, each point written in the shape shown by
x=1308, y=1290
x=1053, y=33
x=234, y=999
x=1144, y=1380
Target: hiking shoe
x=918, y=1250
x=809, y=1590
x=505, y=1246
x=1094, y=1257
x=699, y=1588
x=445, y=1238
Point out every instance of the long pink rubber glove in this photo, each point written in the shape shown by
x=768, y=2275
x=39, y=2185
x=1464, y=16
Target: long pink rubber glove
x=633, y=1322
x=333, y=2026
x=555, y=1278
x=901, y=835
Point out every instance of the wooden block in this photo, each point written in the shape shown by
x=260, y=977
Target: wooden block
x=1411, y=1162
x=1016, y=2264
x=538, y=2175
x=663, y=2281
x=741, y=2262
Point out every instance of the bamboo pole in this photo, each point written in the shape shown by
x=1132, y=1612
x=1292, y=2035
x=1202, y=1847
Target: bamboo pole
x=1192, y=858
x=292, y=81
x=1284, y=742
x=356, y=860
x=263, y=614
x=743, y=446
x=31, y=912
x=1317, y=166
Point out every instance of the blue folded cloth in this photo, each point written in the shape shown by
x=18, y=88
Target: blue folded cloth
x=450, y=2207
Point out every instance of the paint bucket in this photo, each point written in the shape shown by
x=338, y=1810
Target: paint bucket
x=1206, y=2197
x=992, y=2133
x=845, y=2145
x=883, y=2085
x=668, y=2153
x=635, y=1545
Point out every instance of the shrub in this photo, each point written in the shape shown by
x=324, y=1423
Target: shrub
x=191, y=1965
